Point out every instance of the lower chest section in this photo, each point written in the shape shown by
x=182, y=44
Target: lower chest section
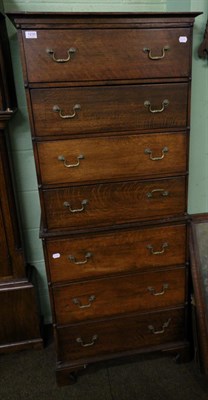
x=119, y=295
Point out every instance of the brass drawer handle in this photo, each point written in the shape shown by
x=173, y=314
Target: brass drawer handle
x=51, y=53
x=165, y=104
x=164, y=326
x=149, y=52
x=164, y=193
x=76, y=210
x=162, y=251
x=78, y=302
x=149, y=151
x=83, y=344
x=76, y=108
x=161, y=293
x=73, y=259
x=66, y=163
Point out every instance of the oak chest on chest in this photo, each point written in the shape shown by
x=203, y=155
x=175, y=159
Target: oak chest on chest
x=109, y=105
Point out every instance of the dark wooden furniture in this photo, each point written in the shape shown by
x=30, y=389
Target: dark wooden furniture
x=199, y=271
x=109, y=100
x=18, y=312
x=203, y=48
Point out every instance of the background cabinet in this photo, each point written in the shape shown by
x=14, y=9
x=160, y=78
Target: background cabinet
x=199, y=269
x=18, y=312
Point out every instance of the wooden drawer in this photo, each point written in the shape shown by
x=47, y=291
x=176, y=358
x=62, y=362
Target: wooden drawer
x=91, y=159
x=119, y=295
x=120, y=335
x=109, y=204
x=109, y=109
x=120, y=251
x=100, y=54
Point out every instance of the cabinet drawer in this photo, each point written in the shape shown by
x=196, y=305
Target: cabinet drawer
x=65, y=111
x=120, y=335
x=119, y=295
x=113, y=203
x=120, y=251
x=100, y=54
x=91, y=159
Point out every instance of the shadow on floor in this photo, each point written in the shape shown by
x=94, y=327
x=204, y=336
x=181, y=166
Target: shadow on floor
x=30, y=375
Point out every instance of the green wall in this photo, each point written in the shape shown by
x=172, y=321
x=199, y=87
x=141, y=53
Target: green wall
x=21, y=145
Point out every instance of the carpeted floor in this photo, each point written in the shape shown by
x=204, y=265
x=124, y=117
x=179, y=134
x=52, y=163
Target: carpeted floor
x=29, y=375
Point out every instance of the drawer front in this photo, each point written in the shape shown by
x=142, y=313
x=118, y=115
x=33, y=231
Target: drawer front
x=120, y=335
x=100, y=54
x=109, y=204
x=121, y=251
x=65, y=111
x=119, y=295
x=91, y=159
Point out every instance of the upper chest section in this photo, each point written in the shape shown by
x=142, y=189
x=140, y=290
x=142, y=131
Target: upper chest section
x=100, y=48
x=106, y=54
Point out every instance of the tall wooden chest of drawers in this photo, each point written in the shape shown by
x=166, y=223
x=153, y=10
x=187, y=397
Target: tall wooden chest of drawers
x=109, y=105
